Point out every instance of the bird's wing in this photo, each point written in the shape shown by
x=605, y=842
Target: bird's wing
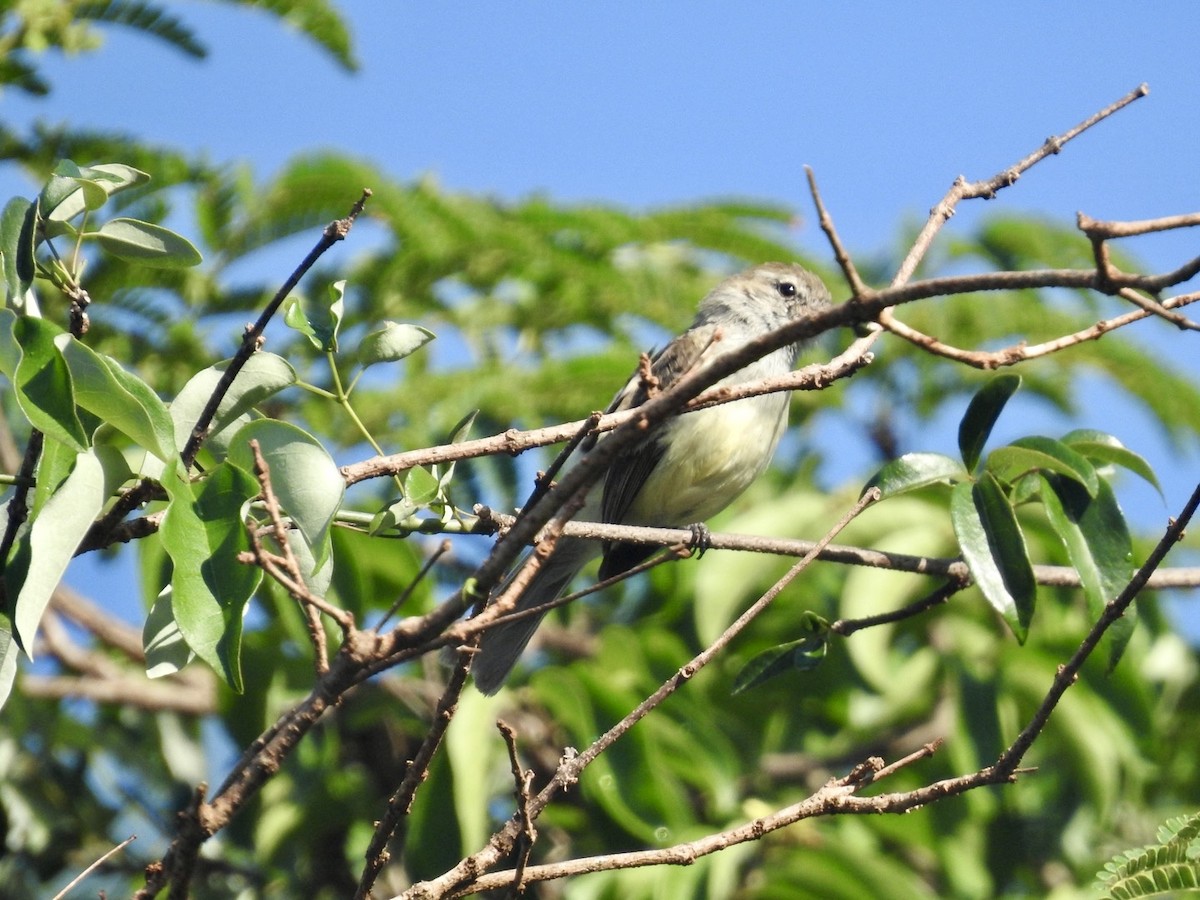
x=629, y=472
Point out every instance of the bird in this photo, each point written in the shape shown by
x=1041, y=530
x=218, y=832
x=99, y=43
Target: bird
x=693, y=465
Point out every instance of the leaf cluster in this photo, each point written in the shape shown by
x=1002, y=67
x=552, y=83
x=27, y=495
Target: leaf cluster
x=28, y=30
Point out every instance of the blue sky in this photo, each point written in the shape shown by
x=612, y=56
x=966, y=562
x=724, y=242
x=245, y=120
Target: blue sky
x=646, y=104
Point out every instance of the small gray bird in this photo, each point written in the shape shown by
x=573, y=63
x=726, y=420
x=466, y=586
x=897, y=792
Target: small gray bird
x=692, y=466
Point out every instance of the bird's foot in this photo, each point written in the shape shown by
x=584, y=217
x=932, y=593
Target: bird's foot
x=701, y=538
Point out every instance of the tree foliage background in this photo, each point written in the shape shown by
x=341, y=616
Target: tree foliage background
x=540, y=308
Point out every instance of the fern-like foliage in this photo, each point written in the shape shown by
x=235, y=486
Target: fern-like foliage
x=27, y=30
x=1169, y=868
x=318, y=20
x=147, y=18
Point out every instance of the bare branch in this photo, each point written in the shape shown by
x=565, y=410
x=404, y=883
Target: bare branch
x=1100, y=230
x=1017, y=353
x=78, y=879
x=1115, y=609
x=573, y=764
x=828, y=800
x=988, y=188
x=847, y=627
x=522, y=779
x=935, y=566
x=442, y=549
x=858, y=287
x=106, y=627
x=103, y=680
x=514, y=442
x=415, y=773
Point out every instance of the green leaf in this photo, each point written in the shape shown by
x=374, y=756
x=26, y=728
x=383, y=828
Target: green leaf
x=73, y=189
x=19, y=290
x=1105, y=449
x=263, y=376
x=26, y=244
x=41, y=378
x=167, y=650
x=392, y=342
x=1096, y=536
x=306, y=480
x=61, y=185
x=982, y=412
x=66, y=196
x=146, y=243
x=802, y=655
x=53, y=467
x=1041, y=454
x=51, y=542
x=916, y=470
x=9, y=652
x=472, y=752
x=420, y=487
x=994, y=550
x=317, y=576
x=204, y=531
x=321, y=328
x=119, y=398
x=390, y=517
x=147, y=19
x=445, y=472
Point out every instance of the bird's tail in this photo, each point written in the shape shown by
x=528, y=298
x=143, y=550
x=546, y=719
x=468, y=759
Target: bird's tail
x=501, y=646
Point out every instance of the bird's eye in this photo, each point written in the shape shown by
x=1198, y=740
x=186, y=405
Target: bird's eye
x=785, y=288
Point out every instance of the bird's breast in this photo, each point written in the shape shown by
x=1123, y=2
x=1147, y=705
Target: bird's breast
x=712, y=456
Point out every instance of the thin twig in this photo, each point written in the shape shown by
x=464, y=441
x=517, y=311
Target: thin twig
x=1113, y=611
x=252, y=338
x=1153, y=307
x=513, y=442
x=988, y=188
x=827, y=800
x=1009, y=356
x=441, y=550
x=935, y=566
x=522, y=779
x=847, y=627
x=312, y=618
x=285, y=568
x=400, y=804
x=78, y=879
x=857, y=286
x=1095, y=228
